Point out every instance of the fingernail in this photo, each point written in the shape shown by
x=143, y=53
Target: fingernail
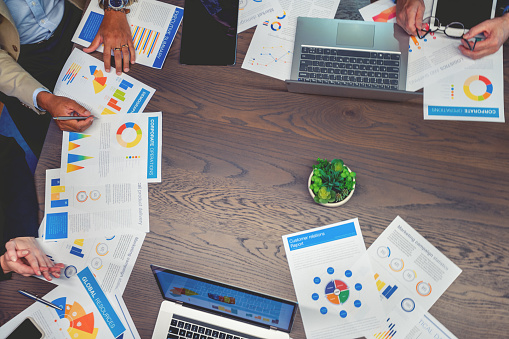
x=38, y=272
x=119, y=73
x=126, y=69
x=57, y=275
x=13, y=258
x=25, y=252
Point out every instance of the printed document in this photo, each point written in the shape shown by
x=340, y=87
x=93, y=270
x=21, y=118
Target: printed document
x=429, y=328
x=84, y=80
x=87, y=312
x=432, y=58
x=153, y=27
x=410, y=275
x=271, y=50
x=333, y=281
x=116, y=148
x=110, y=258
x=253, y=12
x=385, y=11
x=474, y=94
x=73, y=210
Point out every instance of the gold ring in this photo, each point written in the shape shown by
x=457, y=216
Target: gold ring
x=117, y=48
x=126, y=45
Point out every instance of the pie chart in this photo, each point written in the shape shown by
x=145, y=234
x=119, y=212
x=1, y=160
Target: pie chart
x=337, y=292
x=81, y=323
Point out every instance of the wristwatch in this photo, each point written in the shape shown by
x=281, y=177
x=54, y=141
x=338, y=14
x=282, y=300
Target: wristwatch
x=116, y=5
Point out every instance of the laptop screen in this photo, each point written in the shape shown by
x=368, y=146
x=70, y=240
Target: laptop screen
x=226, y=300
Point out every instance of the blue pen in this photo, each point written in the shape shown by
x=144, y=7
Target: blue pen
x=37, y=298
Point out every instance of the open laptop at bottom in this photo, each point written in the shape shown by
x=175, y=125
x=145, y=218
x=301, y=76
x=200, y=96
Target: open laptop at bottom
x=348, y=58
x=199, y=308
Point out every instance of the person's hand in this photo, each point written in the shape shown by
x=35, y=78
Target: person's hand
x=19, y=266
x=114, y=32
x=409, y=15
x=62, y=106
x=36, y=259
x=496, y=32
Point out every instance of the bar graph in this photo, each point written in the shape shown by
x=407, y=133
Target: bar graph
x=56, y=190
x=144, y=39
x=388, y=291
x=390, y=333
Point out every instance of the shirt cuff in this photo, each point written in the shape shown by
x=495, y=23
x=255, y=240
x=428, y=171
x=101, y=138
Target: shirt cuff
x=34, y=97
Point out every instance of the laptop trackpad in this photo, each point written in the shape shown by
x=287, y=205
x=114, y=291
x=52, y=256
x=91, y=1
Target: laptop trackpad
x=352, y=34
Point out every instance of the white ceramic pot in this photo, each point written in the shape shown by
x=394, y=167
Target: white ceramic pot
x=332, y=204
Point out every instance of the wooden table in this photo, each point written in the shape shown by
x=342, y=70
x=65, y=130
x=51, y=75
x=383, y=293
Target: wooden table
x=238, y=149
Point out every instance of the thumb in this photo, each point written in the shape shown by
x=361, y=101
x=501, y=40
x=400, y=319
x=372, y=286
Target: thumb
x=78, y=108
x=94, y=45
x=478, y=29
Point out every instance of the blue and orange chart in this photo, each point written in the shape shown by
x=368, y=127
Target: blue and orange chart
x=389, y=333
x=144, y=39
x=73, y=158
x=81, y=323
x=71, y=73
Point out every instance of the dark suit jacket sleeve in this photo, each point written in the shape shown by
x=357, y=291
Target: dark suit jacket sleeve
x=18, y=199
x=501, y=6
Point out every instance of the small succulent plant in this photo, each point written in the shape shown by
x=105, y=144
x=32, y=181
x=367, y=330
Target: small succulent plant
x=331, y=181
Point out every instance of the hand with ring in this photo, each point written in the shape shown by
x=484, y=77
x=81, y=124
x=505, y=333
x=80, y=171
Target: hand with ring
x=114, y=32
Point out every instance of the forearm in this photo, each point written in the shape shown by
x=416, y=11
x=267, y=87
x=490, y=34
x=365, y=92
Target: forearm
x=16, y=82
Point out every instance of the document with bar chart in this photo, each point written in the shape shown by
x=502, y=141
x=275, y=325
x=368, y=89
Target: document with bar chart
x=410, y=275
x=153, y=27
x=84, y=80
x=333, y=281
x=116, y=148
x=73, y=209
x=474, y=94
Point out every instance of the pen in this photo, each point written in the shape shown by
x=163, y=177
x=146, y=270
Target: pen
x=75, y=117
x=36, y=298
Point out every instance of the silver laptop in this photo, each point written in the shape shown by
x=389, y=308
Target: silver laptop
x=350, y=59
x=200, y=308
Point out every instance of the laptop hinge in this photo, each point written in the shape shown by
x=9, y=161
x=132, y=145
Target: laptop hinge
x=181, y=303
x=273, y=328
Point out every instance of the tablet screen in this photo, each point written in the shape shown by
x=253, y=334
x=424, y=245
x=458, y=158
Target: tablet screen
x=468, y=12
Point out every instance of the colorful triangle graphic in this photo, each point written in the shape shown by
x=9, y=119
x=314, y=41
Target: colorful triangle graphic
x=76, y=136
x=72, y=168
x=92, y=69
x=76, y=157
x=72, y=146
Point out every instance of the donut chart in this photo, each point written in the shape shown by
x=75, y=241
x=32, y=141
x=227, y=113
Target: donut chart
x=470, y=95
x=337, y=292
x=121, y=130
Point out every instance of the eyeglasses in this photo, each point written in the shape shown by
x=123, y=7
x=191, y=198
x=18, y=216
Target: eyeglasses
x=455, y=30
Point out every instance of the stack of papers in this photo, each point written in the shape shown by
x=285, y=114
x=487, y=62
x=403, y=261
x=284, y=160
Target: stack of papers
x=96, y=203
x=455, y=86
x=345, y=291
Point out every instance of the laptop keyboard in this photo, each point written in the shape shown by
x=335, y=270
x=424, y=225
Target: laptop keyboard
x=334, y=66
x=185, y=328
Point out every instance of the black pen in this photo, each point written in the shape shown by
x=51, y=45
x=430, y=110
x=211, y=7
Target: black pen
x=37, y=298
x=74, y=117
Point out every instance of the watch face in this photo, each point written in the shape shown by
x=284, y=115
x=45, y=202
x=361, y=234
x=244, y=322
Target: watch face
x=116, y=3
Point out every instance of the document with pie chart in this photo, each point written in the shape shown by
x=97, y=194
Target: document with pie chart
x=87, y=312
x=333, y=281
x=410, y=275
x=116, y=148
x=476, y=93
x=84, y=80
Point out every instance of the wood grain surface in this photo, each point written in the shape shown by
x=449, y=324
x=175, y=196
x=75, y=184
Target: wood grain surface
x=238, y=149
